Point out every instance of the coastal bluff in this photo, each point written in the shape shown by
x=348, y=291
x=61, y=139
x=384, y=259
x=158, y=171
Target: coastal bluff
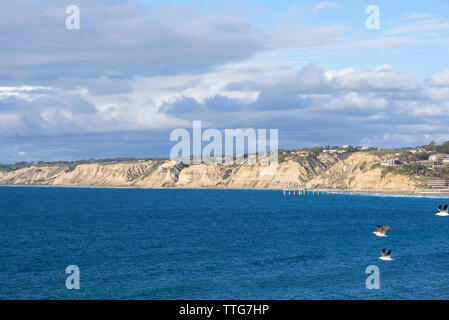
x=356, y=171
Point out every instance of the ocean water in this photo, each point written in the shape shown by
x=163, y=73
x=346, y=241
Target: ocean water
x=218, y=244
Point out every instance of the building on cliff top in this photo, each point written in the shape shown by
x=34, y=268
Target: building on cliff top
x=390, y=162
x=444, y=158
x=438, y=183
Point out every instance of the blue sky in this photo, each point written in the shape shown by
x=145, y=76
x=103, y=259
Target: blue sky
x=349, y=13
x=135, y=70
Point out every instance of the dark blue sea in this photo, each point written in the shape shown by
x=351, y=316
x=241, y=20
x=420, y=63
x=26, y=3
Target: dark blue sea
x=218, y=244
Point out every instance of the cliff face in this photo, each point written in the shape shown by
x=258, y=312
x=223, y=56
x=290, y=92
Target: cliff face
x=359, y=171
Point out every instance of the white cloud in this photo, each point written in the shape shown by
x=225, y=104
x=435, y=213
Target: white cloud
x=384, y=77
x=344, y=105
x=28, y=93
x=156, y=102
x=421, y=26
x=440, y=79
x=325, y=5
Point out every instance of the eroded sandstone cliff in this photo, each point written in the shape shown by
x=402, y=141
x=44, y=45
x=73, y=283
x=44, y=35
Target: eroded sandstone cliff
x=361, y=171
x=358, y=171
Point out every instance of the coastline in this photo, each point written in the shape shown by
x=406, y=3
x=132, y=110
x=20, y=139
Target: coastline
x=437, y=193
x=359, y=173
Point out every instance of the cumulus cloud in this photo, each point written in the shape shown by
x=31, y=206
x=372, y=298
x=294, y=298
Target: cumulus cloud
x=440, y=79
x=361, y=102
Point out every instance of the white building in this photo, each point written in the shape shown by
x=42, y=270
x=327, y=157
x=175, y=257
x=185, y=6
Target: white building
x=390, y=162
x=439, y=157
